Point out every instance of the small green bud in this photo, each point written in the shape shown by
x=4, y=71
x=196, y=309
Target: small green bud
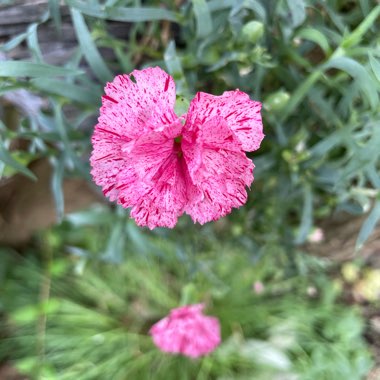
x=252, y=31
x=181, y=105
x=277, y=101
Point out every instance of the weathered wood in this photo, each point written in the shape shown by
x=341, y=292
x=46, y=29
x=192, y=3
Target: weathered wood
x=8, y=372
x=56, y=47
x=22, y=12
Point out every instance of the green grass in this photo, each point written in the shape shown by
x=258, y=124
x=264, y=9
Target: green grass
x=70, y=317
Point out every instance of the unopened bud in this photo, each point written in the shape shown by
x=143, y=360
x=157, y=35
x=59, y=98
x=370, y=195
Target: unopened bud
x=277, y=101
x=252, y=31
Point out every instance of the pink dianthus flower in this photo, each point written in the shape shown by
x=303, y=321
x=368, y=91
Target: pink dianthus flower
x=160, y=165
x=187, y=331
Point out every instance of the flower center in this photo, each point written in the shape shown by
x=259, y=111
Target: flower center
x=177, y=146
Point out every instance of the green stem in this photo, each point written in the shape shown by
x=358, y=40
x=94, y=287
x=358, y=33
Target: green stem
x=43, y=300
x=300, y=93
x=351, y=40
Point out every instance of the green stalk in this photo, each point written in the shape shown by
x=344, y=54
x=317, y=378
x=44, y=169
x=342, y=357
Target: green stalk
x=351, y=40
x=300, y=93
x=43, y=300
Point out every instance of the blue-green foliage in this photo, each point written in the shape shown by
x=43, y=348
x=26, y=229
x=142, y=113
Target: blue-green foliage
x=75, y=318
x=84, y=309
x=313, y=64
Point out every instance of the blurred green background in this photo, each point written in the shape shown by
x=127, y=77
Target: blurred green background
x=293, y=275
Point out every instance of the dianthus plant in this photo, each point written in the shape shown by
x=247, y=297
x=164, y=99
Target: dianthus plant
x=162, y=165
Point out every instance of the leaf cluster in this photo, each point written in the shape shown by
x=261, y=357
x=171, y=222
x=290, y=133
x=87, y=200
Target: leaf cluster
x=314, y=64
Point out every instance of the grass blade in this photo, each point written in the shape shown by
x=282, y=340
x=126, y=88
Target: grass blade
x=307, y=216
x=375, y=65
x=7, y=158
x=67, y=90
x=174, y=66
x=14, y=42
x=31, y=69
x=317, y=37
x=368, y=226
x=33, y=45
x=297, y=10
x=217, y=5
x=359, y=73
x=126, y=14
x=355, y=37
x=89, y=48
x=203, y=18
x=55, y=14
x=57, y=186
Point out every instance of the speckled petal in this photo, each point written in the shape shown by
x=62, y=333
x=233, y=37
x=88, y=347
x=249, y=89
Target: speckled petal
x=241, y=114
x=140, y=162
x=218, y=168
x=137, y=103
x=164, y=201
x=134, y=138
x=107, y=162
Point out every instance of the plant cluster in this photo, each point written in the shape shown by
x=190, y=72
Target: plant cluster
x=81, y=303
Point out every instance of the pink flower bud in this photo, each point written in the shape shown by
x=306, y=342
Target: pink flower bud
x=187, y=331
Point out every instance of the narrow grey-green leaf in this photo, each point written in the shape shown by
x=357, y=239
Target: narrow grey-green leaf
x=299, y=94
x=7, y=158
x=359, y=73
x=355, y=37
x=95, y=216
x=203, y=18
x=54, y=8
x=31, y=69
x=253, y=5
x=115, y=246
x=172, y=61
x=57, y=186
x=368, y=225
x=174, y=66
x=137, y=238
x=217, y=5
x=228, y=57
x=33, y=44
x=67, y=90
x=373, y=175
x=366, y=6
x=375, y=65
x=315, y=36
x=89, y=48
x=126, y=14
x=60, y=126
x=325, y=145
x=298, y=11
x=12, y=43
x=307, y=216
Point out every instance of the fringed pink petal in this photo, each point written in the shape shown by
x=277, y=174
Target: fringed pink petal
x=107, y=161
x=134, y=139
x=144, y=158
x=218, y=168
x=241, y=114
x=164, y=201
x=137, y=103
